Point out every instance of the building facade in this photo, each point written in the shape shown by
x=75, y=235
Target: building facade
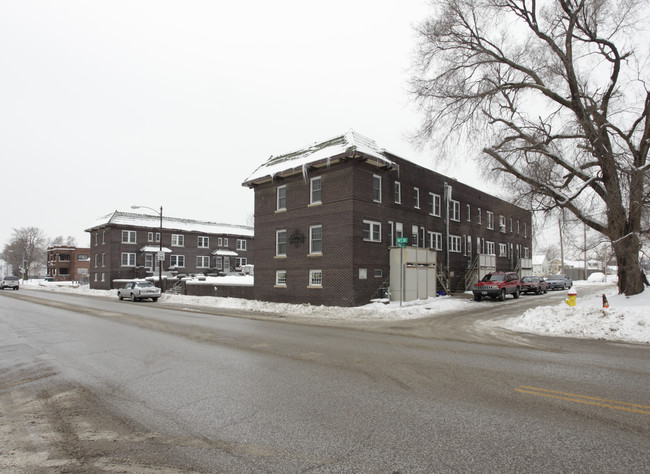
x=126, y=245
x=327, y=216
x=68, y=263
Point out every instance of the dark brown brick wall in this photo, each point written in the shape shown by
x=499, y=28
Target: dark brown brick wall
x=348, y=201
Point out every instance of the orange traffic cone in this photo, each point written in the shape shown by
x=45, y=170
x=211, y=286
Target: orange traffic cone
x=605, y=302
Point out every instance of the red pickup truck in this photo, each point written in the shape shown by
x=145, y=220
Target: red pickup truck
x=497, y=285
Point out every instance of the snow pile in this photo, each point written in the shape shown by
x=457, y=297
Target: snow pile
x=626, y=319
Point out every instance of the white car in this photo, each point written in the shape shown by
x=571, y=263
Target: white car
x=10, y=282
x=139, y=290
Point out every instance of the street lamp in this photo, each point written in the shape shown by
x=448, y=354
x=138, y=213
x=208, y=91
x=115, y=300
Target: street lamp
x=161, y=257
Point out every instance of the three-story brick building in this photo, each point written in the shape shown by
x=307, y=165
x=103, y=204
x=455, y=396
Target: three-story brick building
x=326, y=217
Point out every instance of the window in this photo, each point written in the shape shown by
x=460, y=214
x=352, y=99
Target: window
x=489, y=248
x=416, y=198
x=511, y=228
x=178, y=240
x=391, y=233
x=103, y=237
x=502, y=223
x=64, y=257
x=202, y=262
x=225, y=241
x=96, y=239
x=526, y=253
x=315, y=191
x=220, y=242
x=103, y=259
x=454, y=243
x=517, y=227
x=376, y=188
x=469, y=213
x=525, y=231
x=281, y=278
x=96, y=260
x=177, y=261
x=316, y=239
x=148, y=261
x=203, y=242
x=281, y=243
x=241, y=244
x=503, y=250
x=434, y=204
x=128, y=259
x=435, y=240
x=480, y=219
x=414, y=234
x=315, y=278
x=83, y=258
x=281, y=198
x=399, y=230
x=128, y=236
x=454, y=210
x=239, y=261
x=379, y=273
x=218, y=263
x=490, y=221
x=371, y=231
x=150, y=237
x=398, y=193
x=157, y=237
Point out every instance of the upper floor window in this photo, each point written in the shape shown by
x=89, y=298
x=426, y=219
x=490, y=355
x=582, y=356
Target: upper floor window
x=281, y=198
x=469, y=213
x=503, y=250
x=489, y=248
x=416, y=198
x=490, y=221
x=204, y=242
x=281, y=243
x=128, y=237
x=502, y=223
x=128, y=259
x=455, y=243
x=315, y=190
x=316, y=239
x=480, y=218
x=372, y=231
x=178, y=240
x=434, y=204
x=157, y=237
x=177, y=261
x=398, y=193
x=241, y=244
x=435, y=240
x=376, y=188
x=454, y=210
x=149, y=236
x=220, y=241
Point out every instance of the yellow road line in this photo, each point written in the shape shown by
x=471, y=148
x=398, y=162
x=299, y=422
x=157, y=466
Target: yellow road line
x=587, y=400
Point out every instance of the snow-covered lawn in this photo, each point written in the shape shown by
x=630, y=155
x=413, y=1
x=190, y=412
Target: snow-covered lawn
x=626, y=319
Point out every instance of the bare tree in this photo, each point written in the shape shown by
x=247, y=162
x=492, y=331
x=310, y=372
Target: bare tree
x=26, y=249
x=555, y=94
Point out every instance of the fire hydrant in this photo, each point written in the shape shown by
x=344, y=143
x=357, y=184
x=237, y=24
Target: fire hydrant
x=572, y=294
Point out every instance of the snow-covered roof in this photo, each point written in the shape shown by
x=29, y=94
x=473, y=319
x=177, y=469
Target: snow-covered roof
x=539, y=259
x=130, y=219
x=154, y=248
x=348, y=145
x=225, y=253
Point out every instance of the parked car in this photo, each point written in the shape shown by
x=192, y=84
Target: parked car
x=497, y=285
x=561, y=282
x=534, y=284
x=10, y=281
x=139, y=290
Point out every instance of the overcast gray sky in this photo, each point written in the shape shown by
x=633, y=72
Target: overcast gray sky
x=105, y=104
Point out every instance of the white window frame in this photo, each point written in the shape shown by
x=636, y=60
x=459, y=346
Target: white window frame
x=281, y=278
x=315, y=278
x=280, y=196
x=313, y=190
x=455, y=244
x=240, y=261
x=178, y=240
x=149, y=236
x=241, y=244
x=480, y=217
x=177, y=261
x=416, y=198
x=201, y=261
x=490, y=248
x=312, y=240
x=398, y=192
x=490, y=221
x=502, y=224
x=435, y=240
x=373, y=230
x=469, y=213
x=129, y=237
x=415, y=233
x=278, y=253
x=203, y=242
x=454, y=209
x=434, y=204
x=127, y=259
x=503, y=250
x=376, y=188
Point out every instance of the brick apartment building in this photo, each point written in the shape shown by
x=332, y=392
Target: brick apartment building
x=68, y=263
x=126, y=245
x=327, y=216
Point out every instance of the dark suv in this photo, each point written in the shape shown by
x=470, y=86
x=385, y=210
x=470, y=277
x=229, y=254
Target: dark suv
x=497, y=285
x=10, y=282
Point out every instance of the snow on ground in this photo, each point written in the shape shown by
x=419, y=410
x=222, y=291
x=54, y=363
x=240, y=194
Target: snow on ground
x=626, y=319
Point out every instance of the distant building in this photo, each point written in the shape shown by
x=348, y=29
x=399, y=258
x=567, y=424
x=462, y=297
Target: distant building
x=126, y=245
x=328, y=215
x=540, y=265
x=68, y=263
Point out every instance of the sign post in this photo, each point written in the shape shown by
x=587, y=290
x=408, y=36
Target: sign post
x=401, y=243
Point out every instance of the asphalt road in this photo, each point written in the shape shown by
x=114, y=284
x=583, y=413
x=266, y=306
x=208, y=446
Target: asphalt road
x=96, y=385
